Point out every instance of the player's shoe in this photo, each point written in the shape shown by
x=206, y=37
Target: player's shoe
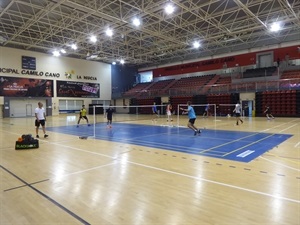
x=199, y=131
x=77, y=126
x=196, y=132
x=89, y=125
x=46, y=135
x=37, y=136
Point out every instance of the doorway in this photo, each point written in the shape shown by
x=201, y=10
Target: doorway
x=28, y=110
x=247, y=107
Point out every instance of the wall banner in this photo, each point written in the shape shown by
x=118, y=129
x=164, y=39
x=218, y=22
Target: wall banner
x=25, y=87
x=77, y=89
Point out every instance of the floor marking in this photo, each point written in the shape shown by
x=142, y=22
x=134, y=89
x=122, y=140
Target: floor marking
x=83, y=171
x=279, y=164
x=296, y=145
x=217, y=183
x=47, y=197
x=185, y=175
x=288, y=128
x=218, y=164
x=37, y=182
x=247, y=169
x=237, y=140
x=284, y=158
x=245, y=146
x=78, y=149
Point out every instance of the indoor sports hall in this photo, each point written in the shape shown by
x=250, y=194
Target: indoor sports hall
x=159, y=112
x=139, y=172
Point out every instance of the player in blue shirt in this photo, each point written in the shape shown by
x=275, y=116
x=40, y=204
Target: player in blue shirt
x=154, y=111
x=192, y=118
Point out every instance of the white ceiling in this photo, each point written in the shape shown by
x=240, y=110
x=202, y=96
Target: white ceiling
x=221, y=26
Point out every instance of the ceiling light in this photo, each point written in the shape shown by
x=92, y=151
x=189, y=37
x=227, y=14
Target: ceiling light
x=196, y=44
x=169, y=9
x=275, y=27
x=63, y=51
x=93, y=39
x=109, y=32
x=136, y=22
x=74, y=46
x=56, y=53
x=94, y=56
x=122, y=61
x=114, y=63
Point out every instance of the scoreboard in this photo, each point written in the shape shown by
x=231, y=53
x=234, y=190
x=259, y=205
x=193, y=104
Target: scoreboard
x=28, y=63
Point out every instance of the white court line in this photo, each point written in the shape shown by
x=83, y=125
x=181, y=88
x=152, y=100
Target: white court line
x=79, y=149
x=279, y=163
x=296, y=145
x=192, y=177
x=288, y=128
x=218, y=183
x=189, y=176
x=82, y=171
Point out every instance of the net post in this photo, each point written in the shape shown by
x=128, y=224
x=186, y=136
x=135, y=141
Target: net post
x=215, y=111
x=178, y=112
x=94, y=116
x=104, y=107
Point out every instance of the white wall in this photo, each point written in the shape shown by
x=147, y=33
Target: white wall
x=164, y=99
x=12, y=58
x=21, y=107
x=120, y=107
x=247, y=96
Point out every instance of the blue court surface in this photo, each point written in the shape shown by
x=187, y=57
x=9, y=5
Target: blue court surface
x=231, y=145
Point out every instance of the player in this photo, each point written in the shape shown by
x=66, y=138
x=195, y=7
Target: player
x=109, y=113
x=192, y=118
x=154, y=111
x=237, y=112
x=82, y=115
x=40, y=116
x=169, y=112
x=268, y=113
x=205, y=114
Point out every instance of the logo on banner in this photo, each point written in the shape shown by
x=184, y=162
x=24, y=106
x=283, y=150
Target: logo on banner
x=68, y=75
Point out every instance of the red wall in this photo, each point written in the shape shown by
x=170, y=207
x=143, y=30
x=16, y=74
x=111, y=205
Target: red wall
x=231, y=61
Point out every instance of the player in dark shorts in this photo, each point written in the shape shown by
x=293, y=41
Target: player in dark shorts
x=237, y=110
x=192, y=118
x=40, y=117
x=82, y=115
x=268, y=113
x=109, y=113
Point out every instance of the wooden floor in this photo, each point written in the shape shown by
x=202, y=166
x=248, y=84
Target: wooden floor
x=73, y=181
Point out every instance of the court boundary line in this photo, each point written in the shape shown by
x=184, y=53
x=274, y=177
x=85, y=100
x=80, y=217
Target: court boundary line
x=251, y=135
x=179, y=174
x=196, y=178
x=218, y=183
x=47, y=197
x=21, y=186
x=196, y=151
x=292, y=168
